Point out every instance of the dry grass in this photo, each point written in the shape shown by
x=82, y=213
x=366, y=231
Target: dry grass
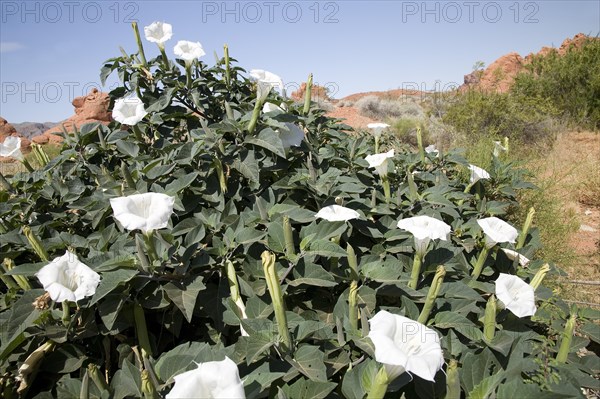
x=569, y=215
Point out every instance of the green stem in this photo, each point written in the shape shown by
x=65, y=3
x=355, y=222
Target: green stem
x=127, y=176
x=220, y=174
x=35, y=244
x=380, y=385
x=467, y=189
x=148, y=389
x=8, y=281
x=227, y=66
x=480, y=262
x=97, y=377
x=416, y=271
x=376, y=144
x=40, y=154
x=141, y=329
x=308, y=94
x=432, y=294
x=255, y=115
x=27, y=165
x=386, y=189
x=163, y=54
x=288, y=235
x=268, y=262
x=489, y=319
x=144, y=262
x=149, y=241
x=539, y=276
x=353, y=293
x=525, y=229
x=452, y=381
x=22, y=281
x=234, y=291
x=420, y=144
x=188, y=74
x=66, y=313
x=84, y=392
x=138, y=40
x=567, y=337
x=412, y=188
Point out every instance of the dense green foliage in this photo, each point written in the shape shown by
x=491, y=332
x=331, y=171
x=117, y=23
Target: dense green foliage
x=570, y=82
x=479, y=114
x=235, y=192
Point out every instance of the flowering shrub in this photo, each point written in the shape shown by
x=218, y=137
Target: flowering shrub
x=250, y=252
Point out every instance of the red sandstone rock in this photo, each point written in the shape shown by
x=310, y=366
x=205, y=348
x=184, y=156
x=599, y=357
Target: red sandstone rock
x=90, y=108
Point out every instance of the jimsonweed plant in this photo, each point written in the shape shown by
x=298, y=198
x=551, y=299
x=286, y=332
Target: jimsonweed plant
x=242, y=251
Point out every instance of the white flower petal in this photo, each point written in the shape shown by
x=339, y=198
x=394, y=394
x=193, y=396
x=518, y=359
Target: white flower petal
x=377, y=128
x=129, y=110
x=380, y=162
x=431, y=149
x=188, y=51
x=477, y=173
x=514, y=255
x=498, y=148
x=337, y=213
x=265, y=81
x=218, y=380
x=292, y=136
x=497, y=230
x=158, y=32
x=425, y=228
x=68, y=279
x=516, y=295
x=146, y=212
x=11, y=147
x=405, y=344
x=270, y=107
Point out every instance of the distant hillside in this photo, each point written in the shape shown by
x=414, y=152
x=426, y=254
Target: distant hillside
x=32, y=129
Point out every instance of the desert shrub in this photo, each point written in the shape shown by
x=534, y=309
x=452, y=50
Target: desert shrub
x=380, y=108
x=569, y=82
x=246, y=266
x=496, y=115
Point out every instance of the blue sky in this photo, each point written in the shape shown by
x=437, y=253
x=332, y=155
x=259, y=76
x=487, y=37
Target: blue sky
x=52, y=51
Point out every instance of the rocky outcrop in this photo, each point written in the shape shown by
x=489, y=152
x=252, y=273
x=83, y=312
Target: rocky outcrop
x=500, y=75
x=90, y=108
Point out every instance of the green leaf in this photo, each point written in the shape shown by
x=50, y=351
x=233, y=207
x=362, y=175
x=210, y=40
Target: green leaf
x=487, y=386
x=295, y=212
x=128, y=148
x=180, y=183
x=21, y=316
x=248, y=167
x=304, y=389
x=180, y=359
x=459, y=323
x=311, y=274
x=110, y=281
x=127, y=381
x=268, y=139
x=308, y=360
x=326, y=249
x=248, y=235
x=184, y=296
